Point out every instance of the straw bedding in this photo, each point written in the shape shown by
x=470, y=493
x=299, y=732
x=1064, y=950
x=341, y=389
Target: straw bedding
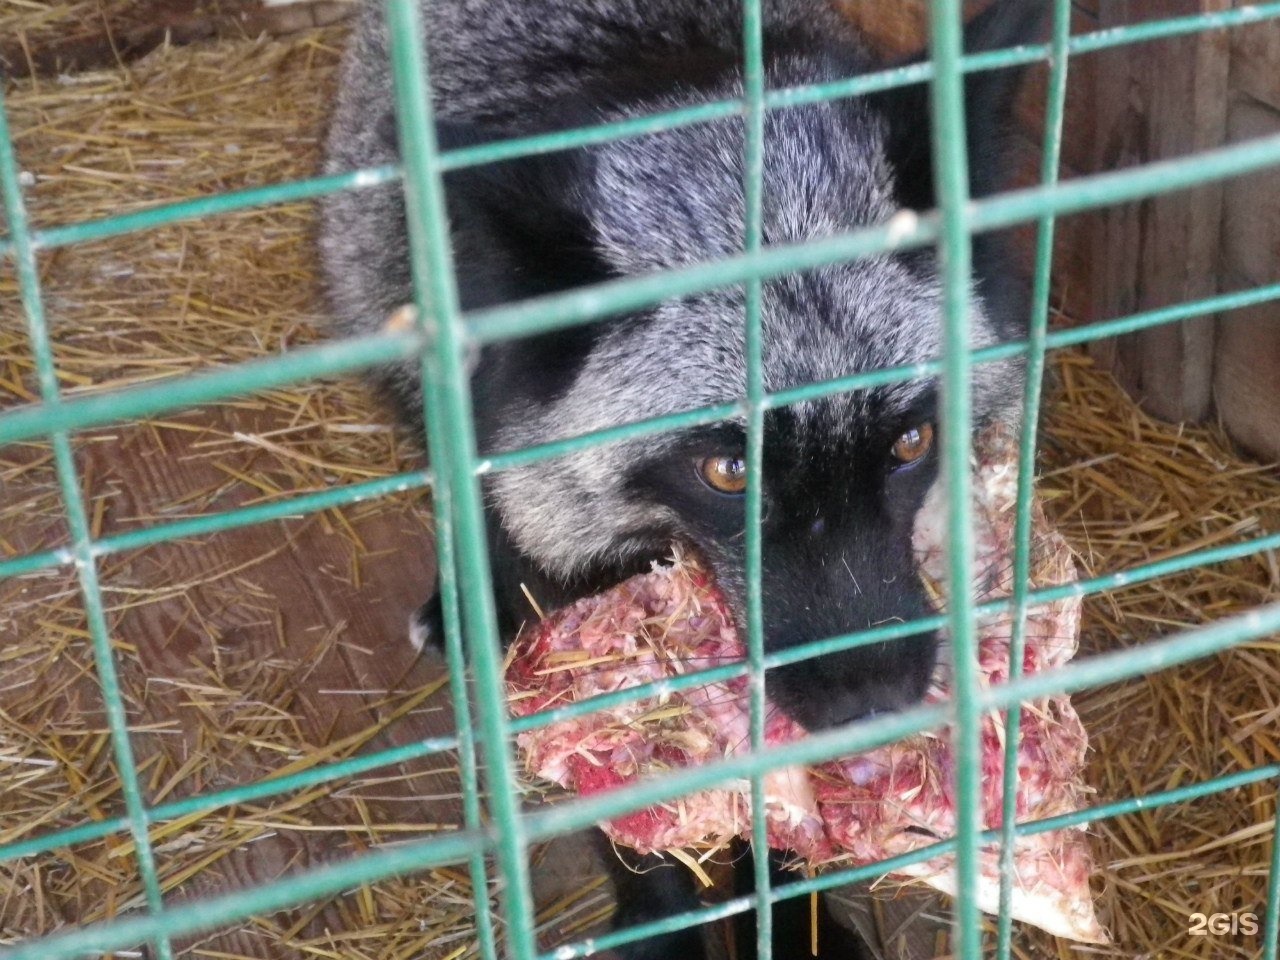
x=275, y=648
x=267, y=650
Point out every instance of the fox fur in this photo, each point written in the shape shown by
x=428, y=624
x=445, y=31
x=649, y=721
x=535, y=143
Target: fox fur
x=839, y=508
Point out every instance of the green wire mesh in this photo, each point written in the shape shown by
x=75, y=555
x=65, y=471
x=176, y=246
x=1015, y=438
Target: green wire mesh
x=443, y=335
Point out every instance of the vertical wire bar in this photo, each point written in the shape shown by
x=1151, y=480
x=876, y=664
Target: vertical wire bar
x=1032, y=391
x=442, y=507
x=453, y=443
x=1271, y=920
x=78, y=526
x=951, y=173
x=455, y=659
x=753, y=224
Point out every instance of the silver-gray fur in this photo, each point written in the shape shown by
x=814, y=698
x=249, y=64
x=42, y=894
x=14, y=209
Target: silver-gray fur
x=489, y=65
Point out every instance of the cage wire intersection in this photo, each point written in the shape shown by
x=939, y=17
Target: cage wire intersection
x=441, y=338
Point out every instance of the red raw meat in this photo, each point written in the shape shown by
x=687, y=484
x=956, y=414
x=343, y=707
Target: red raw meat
x=889, y=801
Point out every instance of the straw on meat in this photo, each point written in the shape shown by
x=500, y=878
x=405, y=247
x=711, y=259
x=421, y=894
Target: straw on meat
x=890, y=801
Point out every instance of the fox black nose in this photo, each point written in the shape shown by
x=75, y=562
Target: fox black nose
x=836, y=708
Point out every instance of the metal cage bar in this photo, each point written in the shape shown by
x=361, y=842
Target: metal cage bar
x=439, y=341
x=208, y=802
x=353, y=766
x=78, y=527
x=432, y=269
x=550, y=313
x=850, y=875
x=955, y=254
x=302, y=504
x=460, y=523
x=370, y=867
x=564, y=140
x=1271, y=917
x=753, y=217
x=1055, y=113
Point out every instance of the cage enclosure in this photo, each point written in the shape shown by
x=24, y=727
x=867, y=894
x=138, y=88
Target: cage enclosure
x=215, y=738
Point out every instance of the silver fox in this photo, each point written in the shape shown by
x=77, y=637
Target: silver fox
x=843, y=476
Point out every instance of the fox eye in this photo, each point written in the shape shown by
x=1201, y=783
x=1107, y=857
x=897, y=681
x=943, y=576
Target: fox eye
x=914, y=444
x=724, y=474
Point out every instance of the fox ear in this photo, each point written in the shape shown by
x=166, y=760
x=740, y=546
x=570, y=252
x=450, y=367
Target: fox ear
x=989, y=97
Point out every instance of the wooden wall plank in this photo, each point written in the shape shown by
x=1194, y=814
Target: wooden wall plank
x=82, y=37
x=1255, y=61
x=1165, y=99
x=1246, y=372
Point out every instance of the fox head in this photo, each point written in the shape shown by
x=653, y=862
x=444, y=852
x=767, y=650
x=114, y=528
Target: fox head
x=843, y=476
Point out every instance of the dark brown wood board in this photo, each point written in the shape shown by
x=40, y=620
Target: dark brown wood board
x=1167, y=99
x=80, y=36
x=1246, y=361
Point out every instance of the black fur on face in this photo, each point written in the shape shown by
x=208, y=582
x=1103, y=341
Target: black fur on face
x=837, y=552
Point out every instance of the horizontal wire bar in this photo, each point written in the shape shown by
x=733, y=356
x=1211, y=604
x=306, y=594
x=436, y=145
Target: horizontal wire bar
x=1093, y=42
x=28, y=422
x=568, y=817
x=846, y=876
x=1083, y=588
x=1220, y=303
x=524, y=456
x=65, y=837
x=617, y=698
x=337, y=770
x=539, y=315
x=1166, y=29
x=1094, y=671
x=286, y=508
x=553, y=312
x=208, y=802
x=34, y=562
x=1151, y=657
x=543, y=314
x=720, y=674
x=264, y=513
x=850, y=875
x=610, y=131
x=892, y=631
x=498, y=151
x=861, y=381
x=317, y=360
x=745, y=903
x=1125, y=578
x=308, y=503
x=212, y=912
x=161, y=215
